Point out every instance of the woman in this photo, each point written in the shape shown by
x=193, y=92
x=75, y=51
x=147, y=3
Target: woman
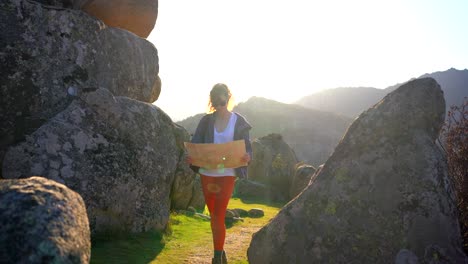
x=220, y=126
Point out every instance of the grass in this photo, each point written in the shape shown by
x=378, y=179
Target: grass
x=187, y=240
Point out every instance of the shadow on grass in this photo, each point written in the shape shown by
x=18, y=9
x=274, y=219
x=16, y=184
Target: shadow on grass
x=126, y=248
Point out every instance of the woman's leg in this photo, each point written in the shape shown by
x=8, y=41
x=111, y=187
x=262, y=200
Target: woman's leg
x=207, y=183
x=217, y=192
x=221, y=202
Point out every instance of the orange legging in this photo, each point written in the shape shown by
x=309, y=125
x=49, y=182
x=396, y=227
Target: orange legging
x=217, y=192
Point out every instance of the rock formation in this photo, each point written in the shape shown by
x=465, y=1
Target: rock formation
x=42, y=221
x=273, y=164
x=74, y=108
x=119, y=154
x=50, y=55
x=383, y=195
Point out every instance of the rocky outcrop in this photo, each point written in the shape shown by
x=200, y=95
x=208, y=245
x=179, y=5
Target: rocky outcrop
x=42, y=221
x=50, y=55
x=383, y=195
x=302, y=176
x=273, y=164
x=61, y=69
x=119, y=154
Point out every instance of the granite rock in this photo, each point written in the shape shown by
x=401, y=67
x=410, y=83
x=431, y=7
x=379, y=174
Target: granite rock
x=119, y=154
x=49, y=55
x=384, y=189
x=42, y=221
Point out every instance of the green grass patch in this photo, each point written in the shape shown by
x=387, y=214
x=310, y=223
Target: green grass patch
x=187, y=239
x=187, y=233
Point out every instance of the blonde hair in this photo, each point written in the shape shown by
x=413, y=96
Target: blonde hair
x=220, y=89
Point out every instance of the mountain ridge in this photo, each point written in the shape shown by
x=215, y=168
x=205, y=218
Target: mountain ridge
x=351, y=101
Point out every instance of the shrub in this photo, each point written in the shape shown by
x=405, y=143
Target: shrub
x=455, y=138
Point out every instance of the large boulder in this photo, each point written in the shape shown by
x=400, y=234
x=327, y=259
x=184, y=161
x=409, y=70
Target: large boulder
x=49, y=55
x=383, y=195
x=273, y=164
x=42, y=221
x=118, y=153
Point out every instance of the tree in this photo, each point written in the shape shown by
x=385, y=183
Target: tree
x=455, y=137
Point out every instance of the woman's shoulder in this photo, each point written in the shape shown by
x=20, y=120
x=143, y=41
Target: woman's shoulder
x=243, y=120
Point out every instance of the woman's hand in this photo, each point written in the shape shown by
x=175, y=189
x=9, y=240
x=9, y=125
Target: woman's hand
x=188, y=159
x=246, y=158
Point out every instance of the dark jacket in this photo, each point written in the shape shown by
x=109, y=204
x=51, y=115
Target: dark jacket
x=205, y=134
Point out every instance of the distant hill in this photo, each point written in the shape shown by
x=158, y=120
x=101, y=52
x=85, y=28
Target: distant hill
x=353, y=101
x=454, y=83
x=311, y=133
x=348, y=101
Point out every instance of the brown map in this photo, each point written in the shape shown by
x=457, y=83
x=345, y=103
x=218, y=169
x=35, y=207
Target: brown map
x=215, y=156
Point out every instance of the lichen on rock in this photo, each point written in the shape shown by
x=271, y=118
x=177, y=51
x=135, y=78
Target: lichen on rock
x=49, y=56
x=42, y=221
x=119, y=154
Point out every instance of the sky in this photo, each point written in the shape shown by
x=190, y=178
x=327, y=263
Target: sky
x=284, y=50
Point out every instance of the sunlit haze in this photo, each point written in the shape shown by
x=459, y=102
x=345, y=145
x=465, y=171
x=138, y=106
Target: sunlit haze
x=284, y=50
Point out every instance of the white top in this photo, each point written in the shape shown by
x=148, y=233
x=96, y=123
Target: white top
x=222, y=137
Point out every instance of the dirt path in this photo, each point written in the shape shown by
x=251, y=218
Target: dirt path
x=237, y=242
